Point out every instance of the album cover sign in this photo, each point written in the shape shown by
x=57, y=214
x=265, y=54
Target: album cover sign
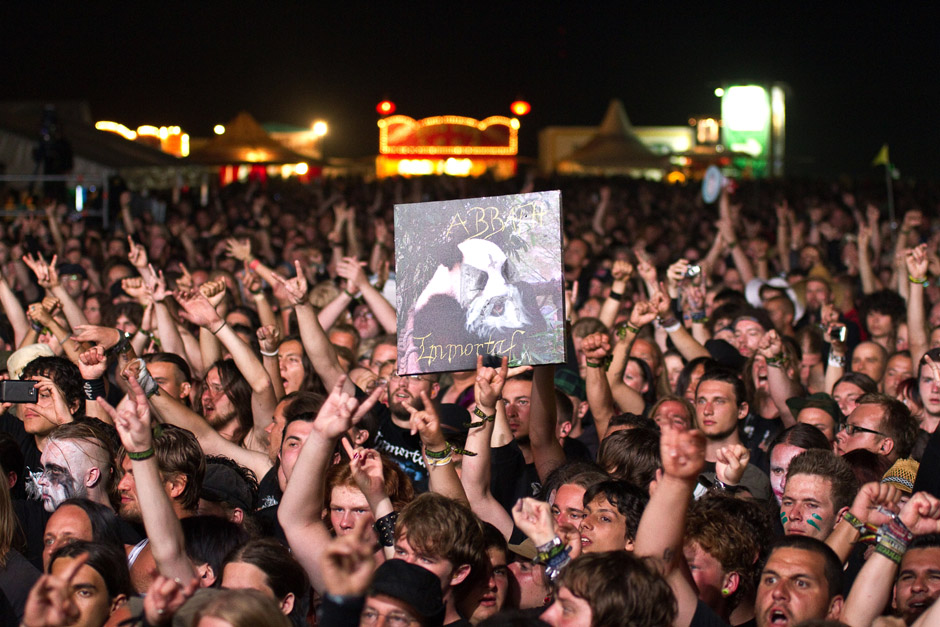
x=479, y=276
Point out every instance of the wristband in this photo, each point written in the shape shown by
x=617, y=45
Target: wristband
x=605, y=364
x=699, y=316
x=122, y=346
x=36, y=327
x=632, y=329
x=441, y=462
x=348, y=293
x=922, y=281
x=385, y=529
x=615, y=296
x=219, y=328
x=836, y=361
x=546, y=551
x=732, y=244
x=253, y=264
x=272, y=354
x=448, y=449
x=146, y=380
x=483, y=419
x=141, y=455
x=93, y=388
x=671, y=325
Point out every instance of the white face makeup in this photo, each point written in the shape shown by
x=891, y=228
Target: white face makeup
x=65, y=465
x=493, y=303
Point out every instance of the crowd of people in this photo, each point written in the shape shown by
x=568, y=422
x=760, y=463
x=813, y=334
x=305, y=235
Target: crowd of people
x=205, y=422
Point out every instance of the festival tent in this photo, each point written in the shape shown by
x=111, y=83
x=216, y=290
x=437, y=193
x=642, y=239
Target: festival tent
x=614, y=149
x=244, y=141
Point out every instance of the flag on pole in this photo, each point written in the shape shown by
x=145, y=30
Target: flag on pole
x=882, y=157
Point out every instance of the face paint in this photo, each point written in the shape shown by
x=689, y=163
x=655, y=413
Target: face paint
x=783, y=517
x=63, y=461
x=813, y=523
x=56, y=485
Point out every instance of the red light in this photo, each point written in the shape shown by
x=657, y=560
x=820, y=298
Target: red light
x=386, y=107
x=520, y=107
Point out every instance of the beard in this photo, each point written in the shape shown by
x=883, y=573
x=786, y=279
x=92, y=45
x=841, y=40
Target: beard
x=217, y=420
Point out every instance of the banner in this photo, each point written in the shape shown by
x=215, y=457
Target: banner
x=479, y=276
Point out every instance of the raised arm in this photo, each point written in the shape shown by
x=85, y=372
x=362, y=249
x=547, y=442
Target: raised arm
x=301, y=508
x=662, y=526
x=547, y=452
x=317, y=345
x=872, y=588
x=865, y=271
x=351, y=270
x=198, y=310
x=621, y=271
x=438, y=452
x=781, y=385
x=160, y=522
x=174, y=412
x=475, y=475
x=596, y=347
x=916, y=261
x=14, y=312
x=628, y=399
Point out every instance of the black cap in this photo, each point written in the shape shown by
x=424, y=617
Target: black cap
x=223, y=484
x=72, y=268
x=411, y=584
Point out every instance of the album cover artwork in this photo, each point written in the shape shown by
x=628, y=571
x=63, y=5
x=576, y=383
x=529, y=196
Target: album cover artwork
x=479, y=276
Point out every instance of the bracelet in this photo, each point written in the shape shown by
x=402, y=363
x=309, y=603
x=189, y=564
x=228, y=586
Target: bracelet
x=605, y=364
x=615, y=296
x=779, y=361
x=273, y=354
x=699, y=316
x=93, y=388
x=141, y=455
x=671, y=325
x=546, y=551
x=385, y=529
x=122, y=346
x=917, y=281
x=732, y=244
x=219, y=328
x=632, y=329
x=253, y=264
x=36, y=327
x=836, y=361
x=441, y=462
x=348, y=293
x=147, y=383
x=448, y=449
x=483, y=419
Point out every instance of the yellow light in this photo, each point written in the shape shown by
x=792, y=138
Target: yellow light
x=719, y=92
x=675, y=177
x=511, y=149
x=520, y=107
x=218, y=129
x=319, y=128
x=148, y=130
x=301, y=168
x=386, y=107
x=164, y=132
x=514, y=123
x=458, y=167
x=184, y=145
x=116, y=127
x=746, y=108
x=256, y=155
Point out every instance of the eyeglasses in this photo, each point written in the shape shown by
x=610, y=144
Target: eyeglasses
x=853, y=429
x=409, y=377
x=370, y=616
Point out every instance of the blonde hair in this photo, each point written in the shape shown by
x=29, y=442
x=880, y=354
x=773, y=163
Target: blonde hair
x=244, y=608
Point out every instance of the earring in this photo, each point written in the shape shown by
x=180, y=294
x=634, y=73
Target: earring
x=725, y=592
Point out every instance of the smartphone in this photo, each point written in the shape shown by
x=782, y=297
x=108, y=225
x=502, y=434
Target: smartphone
x=837, y=333
x=18, y=391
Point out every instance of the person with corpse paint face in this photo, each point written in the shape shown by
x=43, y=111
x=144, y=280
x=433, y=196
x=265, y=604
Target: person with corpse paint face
x=77, y=462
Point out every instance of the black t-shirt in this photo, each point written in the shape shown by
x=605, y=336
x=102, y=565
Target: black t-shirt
x=27, y=443
x=402, y=447
x=269, y=489
x=705, y=617
x=510, y=477
x=756, y=435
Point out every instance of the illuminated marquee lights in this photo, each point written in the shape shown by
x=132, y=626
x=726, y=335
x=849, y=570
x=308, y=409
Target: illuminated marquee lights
x=116, y=127
x=474, y=126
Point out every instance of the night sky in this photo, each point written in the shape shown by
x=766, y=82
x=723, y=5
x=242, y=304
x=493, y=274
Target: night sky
x=858, y=77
